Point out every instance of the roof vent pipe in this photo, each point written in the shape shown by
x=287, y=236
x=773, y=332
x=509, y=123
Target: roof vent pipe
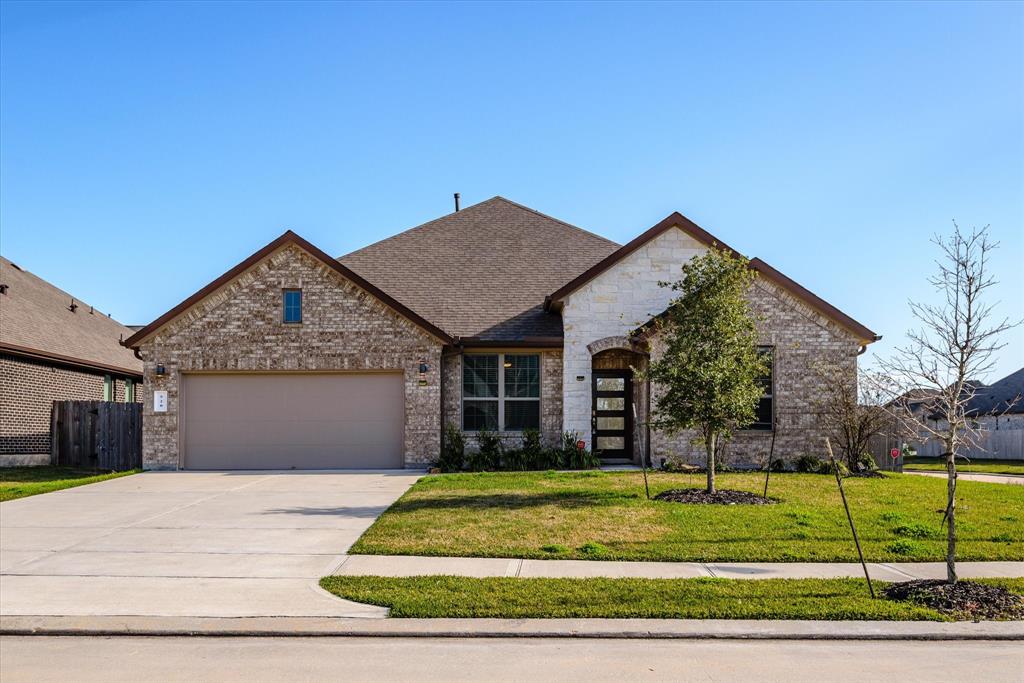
x=456, y=201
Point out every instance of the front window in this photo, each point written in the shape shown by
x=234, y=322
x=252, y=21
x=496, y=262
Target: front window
x=292, y=306
x=765, y=406
x=500, y=391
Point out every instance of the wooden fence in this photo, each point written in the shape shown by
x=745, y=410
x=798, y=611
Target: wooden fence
x=99, y=435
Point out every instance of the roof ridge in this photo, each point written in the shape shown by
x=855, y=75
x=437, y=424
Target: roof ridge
x=471, y=207
x=552, y=218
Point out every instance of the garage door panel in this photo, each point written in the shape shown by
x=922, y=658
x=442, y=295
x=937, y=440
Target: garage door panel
x=302, y=421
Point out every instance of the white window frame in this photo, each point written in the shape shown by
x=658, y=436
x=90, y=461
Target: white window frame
x=501, y=398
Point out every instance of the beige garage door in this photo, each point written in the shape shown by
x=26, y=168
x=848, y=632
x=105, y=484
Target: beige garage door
x=286, y=421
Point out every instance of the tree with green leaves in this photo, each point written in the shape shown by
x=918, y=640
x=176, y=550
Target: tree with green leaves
x=707, y=376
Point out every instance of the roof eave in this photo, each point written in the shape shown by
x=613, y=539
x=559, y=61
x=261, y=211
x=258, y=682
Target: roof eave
x=39, y=354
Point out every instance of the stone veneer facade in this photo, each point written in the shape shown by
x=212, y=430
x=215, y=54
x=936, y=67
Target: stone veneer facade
x=602, y=313
x=238, y=328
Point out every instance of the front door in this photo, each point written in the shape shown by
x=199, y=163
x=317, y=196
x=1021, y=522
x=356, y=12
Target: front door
x=612, y=422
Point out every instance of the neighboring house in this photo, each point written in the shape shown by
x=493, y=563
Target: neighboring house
x=996, y=410
x=53, y=347
x=494, y=317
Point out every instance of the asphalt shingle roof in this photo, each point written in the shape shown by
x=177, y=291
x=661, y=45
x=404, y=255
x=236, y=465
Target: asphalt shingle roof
x=1004, y=396
x=35, y=315
x=483, y=271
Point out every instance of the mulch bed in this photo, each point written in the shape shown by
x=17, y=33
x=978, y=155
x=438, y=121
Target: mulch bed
x=722, y=497
x=964, y=599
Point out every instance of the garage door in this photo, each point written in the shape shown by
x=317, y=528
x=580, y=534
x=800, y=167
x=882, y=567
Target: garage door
x=300, y=421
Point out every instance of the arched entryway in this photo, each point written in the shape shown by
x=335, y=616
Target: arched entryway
x=618, y=403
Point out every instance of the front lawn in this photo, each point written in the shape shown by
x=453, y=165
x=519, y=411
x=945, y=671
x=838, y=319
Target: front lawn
x=604, y=516
x=975, y=465
x=18, y=482
x=511, y=598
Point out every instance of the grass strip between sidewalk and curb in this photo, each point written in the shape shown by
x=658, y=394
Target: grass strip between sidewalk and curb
x=20, y=482
x=702, y=598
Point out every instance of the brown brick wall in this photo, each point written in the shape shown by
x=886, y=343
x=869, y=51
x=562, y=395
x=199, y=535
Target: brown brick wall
x=801, y=338
x=550, y=395
x=239, y=328
x=28, y=388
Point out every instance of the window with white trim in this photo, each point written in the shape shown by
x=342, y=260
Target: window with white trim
x=500, y=389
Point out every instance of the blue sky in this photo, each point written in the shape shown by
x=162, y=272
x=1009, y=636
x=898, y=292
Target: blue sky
x=146, y=148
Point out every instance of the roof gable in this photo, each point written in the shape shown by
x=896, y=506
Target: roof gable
x=41, y=320
x=677, y=220
x=288, y=237
x=483, y=272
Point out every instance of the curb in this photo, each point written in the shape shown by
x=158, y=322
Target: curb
x=344, y=627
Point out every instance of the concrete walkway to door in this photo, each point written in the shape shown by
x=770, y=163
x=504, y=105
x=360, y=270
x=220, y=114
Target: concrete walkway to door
x=215, y=544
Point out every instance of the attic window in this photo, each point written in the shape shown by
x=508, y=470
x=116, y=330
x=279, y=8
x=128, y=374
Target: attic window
x=292, y=306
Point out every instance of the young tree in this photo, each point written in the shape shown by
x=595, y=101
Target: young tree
x=707, y=378
x=852, y=410
x=953, y=347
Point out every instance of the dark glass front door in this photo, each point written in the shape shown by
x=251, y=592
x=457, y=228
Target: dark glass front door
x=612, y=421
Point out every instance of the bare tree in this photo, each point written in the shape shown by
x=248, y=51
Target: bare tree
x=852, y=409
x=948, y=353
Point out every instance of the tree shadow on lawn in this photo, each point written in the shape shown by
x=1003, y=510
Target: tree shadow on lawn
x=515, y=501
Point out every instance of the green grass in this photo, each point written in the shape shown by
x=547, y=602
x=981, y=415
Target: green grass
x=18, y=482
x=604, y=516
x=975, y=465
x=512, y=598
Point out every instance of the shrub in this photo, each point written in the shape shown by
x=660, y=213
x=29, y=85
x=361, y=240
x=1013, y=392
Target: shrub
x=575, y=458
x=808, y=463
x=488, y=454
x=453, y=450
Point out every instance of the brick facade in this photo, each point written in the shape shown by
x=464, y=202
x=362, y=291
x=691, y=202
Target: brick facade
x=28, y=388
x=239, y=328
x=800, y=339
x=550, y=395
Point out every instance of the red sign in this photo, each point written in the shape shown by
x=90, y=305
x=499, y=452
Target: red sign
x=581, y=444
x=894, y=453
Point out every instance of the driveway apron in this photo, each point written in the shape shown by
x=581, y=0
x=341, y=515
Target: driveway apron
x=218, y=544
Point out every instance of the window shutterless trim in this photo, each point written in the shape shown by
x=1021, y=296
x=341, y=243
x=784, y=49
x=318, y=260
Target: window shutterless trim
x=501, y=398
x=285, y=306
x=770, y=395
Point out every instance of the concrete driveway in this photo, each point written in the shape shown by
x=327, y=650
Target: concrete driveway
x=223, y=544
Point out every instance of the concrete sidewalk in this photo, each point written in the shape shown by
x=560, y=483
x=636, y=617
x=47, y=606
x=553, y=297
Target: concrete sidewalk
x=413, y=565
x=990, y=478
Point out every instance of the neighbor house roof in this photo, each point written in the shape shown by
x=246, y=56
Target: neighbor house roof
x=288, y=237
x=42, y=321
x=554, y=300
x=483, y=272
x=1003, y=396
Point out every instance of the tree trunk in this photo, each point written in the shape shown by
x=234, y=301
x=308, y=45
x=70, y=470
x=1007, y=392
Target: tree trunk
x=951, y=513
x=710, y=444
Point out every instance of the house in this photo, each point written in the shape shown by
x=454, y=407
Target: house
x=53, y=347
x=495, y=317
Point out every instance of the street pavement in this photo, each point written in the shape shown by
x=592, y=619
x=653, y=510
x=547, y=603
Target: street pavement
x=256, y=660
